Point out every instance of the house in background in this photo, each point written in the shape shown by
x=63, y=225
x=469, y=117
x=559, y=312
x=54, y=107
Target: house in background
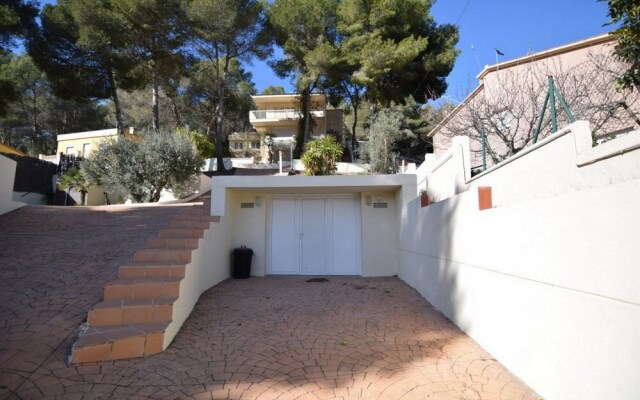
x=508, y=102
x=81, y=144
x=278, y=116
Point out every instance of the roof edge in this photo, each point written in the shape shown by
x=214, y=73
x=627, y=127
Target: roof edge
x=592, y=41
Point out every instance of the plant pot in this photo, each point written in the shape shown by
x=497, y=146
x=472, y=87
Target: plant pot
x=424, y=200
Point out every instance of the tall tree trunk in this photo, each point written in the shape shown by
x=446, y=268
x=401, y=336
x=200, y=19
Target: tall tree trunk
x=306, y=108
x=219, y=117
x=155, y=100
x=354, y=142
x=176, y=111
x=116, y=103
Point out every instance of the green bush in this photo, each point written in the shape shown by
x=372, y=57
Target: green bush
x=320, y=156
x=74, y=178
x=205, y=148
x=143, y=169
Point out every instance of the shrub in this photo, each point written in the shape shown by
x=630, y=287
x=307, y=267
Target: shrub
x=144, y=168
x=320, y=156
x=74, y=179
x=384, y=129
x=204, y=147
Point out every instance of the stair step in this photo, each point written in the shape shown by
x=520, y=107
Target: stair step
x=119, y=342
x=163, y=256
x=138, y=271
x=168, y=233
x=195, y=217
x=188, y=224
x=199, y=210
x=126, y=312
x=161, y=243
x=142, y=288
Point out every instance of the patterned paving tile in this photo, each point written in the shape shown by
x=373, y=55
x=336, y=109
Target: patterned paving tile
x=261, y=338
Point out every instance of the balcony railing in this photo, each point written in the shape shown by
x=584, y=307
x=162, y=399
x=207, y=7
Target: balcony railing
x=276, y=115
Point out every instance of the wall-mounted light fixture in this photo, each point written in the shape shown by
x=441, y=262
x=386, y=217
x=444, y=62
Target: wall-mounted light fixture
x=258, y=201
x=367, y=199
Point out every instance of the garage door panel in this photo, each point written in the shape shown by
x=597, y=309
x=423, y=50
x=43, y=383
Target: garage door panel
x=314, y=236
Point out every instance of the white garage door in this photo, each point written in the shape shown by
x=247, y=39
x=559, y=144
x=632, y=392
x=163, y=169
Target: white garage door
x=314, y=235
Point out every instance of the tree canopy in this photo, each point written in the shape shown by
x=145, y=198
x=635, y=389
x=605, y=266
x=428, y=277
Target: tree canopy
x=627, y=14
x=164, y=65
x=17, y=19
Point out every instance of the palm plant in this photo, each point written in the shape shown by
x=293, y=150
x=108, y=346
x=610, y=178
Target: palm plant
x=73, y=178
x=321, y=155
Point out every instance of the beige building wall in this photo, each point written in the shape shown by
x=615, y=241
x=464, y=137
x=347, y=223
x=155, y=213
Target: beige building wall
x=279, y=115
x=83, y=143
x=511, y=95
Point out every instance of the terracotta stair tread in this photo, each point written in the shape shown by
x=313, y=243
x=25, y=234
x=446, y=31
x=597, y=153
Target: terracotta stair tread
x=161, y=279
x=131, y=311
x=135, y=302
x=163, y=256
x=149, y=270
x=168, y=233
x=104, y=334
x=173, y=243
x=142, y=288
x=188, y=224
x=119, y=342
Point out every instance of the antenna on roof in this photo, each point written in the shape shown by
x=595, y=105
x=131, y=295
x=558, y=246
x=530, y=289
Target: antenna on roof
x=498, y=53
x=476, y=55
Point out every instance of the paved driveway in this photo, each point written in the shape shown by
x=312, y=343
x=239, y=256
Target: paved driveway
x=261, y=338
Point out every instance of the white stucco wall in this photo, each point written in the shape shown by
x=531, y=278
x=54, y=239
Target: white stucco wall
x=7, y=176
x=249, y=227
x=379, y=235
x=209, y=266
x=562, y=162
x=547, y=280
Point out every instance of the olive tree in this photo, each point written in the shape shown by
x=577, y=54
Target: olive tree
x=144, y=168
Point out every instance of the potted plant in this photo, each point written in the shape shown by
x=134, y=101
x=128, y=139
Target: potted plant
x=424, y=198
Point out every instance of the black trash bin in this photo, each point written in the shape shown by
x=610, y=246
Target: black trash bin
x=242, y=262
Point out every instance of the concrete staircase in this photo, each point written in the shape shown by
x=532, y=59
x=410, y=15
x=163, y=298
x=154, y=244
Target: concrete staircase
x=137, y=308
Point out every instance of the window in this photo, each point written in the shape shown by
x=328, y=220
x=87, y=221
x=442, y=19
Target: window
x=502, y=120
x=70, y=151
x=255, y=145
x=238, y=146
x=86, y=149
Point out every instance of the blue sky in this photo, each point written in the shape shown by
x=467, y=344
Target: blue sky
x=515, y=27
